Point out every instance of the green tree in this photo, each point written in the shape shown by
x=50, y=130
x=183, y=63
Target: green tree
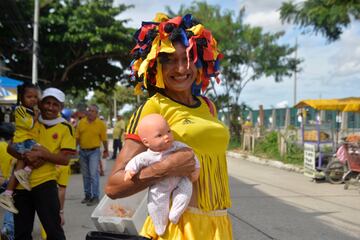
x=123, y=95
x=249, y=53
x=75, y=99
x=328, y=17
x=79, y=42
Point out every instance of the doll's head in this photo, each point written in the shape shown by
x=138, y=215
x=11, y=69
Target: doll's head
x=155, y=133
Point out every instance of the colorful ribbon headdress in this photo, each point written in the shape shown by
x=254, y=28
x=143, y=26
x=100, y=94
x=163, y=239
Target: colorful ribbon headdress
x=154, y=38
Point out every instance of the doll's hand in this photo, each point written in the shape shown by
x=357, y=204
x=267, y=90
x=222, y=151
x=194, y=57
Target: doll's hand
x=194, y=176
x=128, y=175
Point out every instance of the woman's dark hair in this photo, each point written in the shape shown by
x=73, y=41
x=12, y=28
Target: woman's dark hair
x=21, y=90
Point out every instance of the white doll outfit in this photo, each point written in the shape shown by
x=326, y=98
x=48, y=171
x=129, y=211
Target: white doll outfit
x=179, y=188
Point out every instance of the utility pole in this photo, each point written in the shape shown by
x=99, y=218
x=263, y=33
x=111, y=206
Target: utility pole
x=295, y=73
x=35, y=42
x=115, y=107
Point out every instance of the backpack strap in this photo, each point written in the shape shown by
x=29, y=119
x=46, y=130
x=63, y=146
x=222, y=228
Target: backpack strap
x=211, y=107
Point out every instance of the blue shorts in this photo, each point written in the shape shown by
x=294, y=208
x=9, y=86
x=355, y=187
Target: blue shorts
x=25, y=146
x=3, y=186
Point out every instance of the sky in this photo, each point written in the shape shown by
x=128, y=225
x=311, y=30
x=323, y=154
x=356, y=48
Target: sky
x=329, y=70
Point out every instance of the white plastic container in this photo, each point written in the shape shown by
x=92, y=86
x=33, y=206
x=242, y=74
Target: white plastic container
x=107, y=219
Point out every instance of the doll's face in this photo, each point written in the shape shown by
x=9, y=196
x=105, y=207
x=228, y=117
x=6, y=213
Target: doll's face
x=157, y=135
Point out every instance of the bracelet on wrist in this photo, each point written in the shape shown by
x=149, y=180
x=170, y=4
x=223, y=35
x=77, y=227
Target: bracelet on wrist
x=61, y=211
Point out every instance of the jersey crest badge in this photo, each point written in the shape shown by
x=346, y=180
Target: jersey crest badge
x=55, y=136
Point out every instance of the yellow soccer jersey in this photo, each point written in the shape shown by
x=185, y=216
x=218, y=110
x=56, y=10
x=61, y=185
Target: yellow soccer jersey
x=91, y=135
x=6, y=160
x=25, y=127
x=63, y=173
x=118, y=129
x=59, y=137
x=204, y=133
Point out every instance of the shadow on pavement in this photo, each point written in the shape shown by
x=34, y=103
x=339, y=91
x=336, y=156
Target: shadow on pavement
x=256, y=215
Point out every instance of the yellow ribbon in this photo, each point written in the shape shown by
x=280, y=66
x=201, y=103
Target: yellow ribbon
x=166, y=46
x=197, y=29
x=152, y=54
x=137, y=89
x=159, y=76
x=160, y=17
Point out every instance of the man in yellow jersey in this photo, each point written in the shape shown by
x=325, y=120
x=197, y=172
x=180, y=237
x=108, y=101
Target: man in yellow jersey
x=90, y=133
x=57, y=145
x=6, y=165
x=118, y=132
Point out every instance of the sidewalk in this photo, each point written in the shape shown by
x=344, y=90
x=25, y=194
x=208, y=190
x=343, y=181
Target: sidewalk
x=264, y=161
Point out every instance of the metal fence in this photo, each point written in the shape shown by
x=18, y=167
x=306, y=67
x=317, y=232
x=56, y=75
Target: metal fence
x=277, y=117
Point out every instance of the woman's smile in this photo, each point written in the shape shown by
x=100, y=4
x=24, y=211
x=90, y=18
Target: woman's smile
x=181, y=78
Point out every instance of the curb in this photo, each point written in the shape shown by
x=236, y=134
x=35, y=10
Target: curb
x=267, y=162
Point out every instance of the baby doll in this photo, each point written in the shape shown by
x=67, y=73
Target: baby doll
x=156, y=135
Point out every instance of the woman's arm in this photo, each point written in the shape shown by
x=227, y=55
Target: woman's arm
x=180, y=163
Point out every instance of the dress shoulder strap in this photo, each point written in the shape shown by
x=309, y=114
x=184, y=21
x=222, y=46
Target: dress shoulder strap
x=211, y=107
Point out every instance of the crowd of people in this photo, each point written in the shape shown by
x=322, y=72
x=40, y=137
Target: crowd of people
x=183, y=149
x=35, y=161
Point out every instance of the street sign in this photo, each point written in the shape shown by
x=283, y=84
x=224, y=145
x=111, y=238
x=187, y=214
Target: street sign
x=309, y=160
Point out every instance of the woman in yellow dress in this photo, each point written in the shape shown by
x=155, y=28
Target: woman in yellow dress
x=174, y=59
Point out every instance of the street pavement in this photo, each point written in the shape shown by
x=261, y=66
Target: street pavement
x=267, y=203
x=271, y=203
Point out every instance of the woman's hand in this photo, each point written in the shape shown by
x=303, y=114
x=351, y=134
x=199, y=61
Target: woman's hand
x=179, y=164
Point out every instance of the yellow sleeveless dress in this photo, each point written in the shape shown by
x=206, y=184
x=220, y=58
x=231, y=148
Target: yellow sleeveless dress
x=208, y=137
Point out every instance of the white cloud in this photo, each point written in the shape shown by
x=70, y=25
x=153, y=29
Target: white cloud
x=348, y=68
x=268, y=20
x=261, y=5
x=282, y=104
x=346, y=60
x=145, y=10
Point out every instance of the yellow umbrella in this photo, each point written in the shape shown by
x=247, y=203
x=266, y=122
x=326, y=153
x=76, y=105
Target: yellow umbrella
x=322, y=104
x=352, y=105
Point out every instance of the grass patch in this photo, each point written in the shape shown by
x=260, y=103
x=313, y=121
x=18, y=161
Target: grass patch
x=268, y=148
x=234, y=144
x=295, y=155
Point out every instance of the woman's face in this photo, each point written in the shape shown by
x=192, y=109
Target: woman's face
x=177, y=76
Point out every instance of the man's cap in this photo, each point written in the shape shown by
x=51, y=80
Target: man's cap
x=54, y=92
